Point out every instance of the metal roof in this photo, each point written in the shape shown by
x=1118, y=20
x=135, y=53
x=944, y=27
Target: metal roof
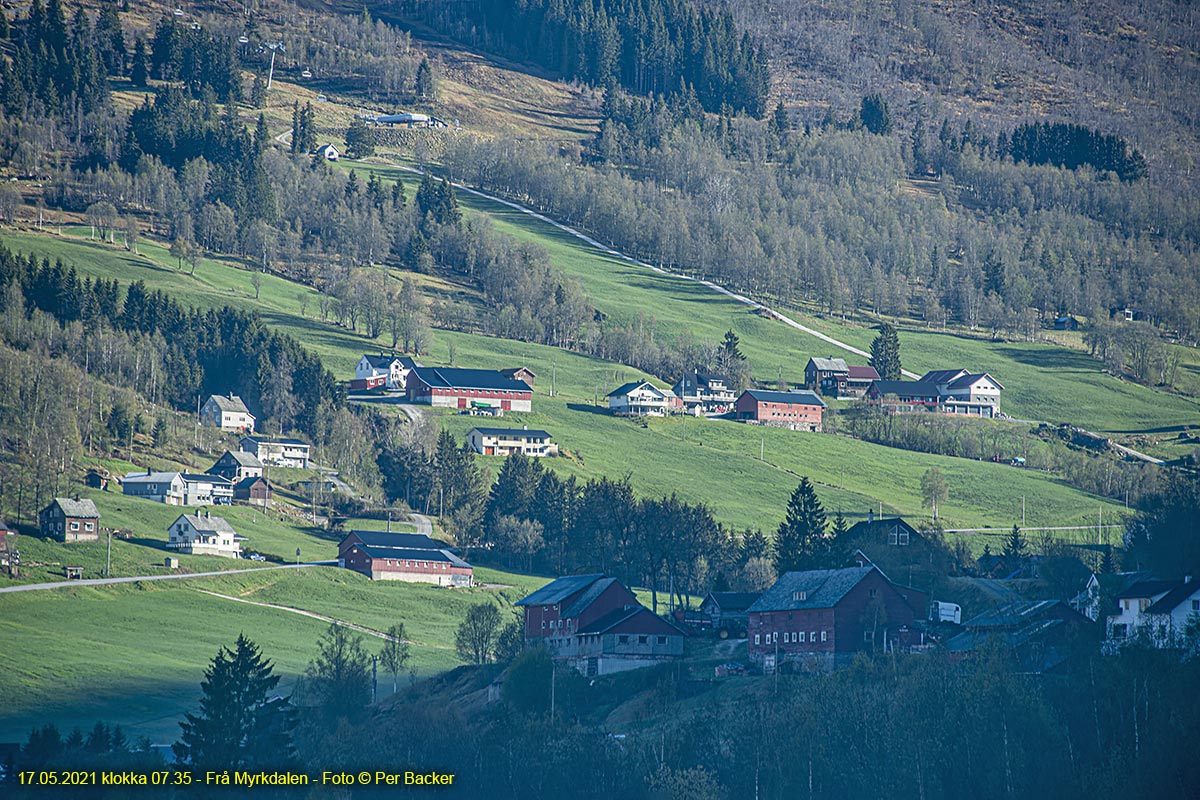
x=829, y=364
x=207, y=523
x=625, y=389
x=231, y=404
x=559, y=589
x=817, y=588
x=84, y=509
x=516, y=433
x=454, y=378
x=1174, y=598
x=795, y=396
x=416, y=541
x=412, y=554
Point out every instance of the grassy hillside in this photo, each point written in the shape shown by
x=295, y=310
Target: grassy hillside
x=1042, y=381
x=135, y=654
x=703, y=461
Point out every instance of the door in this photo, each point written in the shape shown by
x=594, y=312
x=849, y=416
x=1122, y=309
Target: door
x=506, y=405
x=462, y=402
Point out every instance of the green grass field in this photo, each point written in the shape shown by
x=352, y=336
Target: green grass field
x=1042, y=381
x=706, y=461
x=135, y=654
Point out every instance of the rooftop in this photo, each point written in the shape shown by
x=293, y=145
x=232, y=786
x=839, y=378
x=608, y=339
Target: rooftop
x=559, y=589
x=513, y=433
x=626, y=388
x=231, y=404
x=84, y=508
x=817, y=588
x=207, y=523
x=417, y=541
x=830, y=364
x=794, y=396
x=454, y=378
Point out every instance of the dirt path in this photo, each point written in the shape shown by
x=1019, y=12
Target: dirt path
x=303, y=613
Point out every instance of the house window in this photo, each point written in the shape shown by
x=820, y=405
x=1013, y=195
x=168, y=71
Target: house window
x=74, y=526
x=543, y=624
x=823, y=635
x=812, y=637
x=643, y=639
x=872, y=592
x=622, y=639
x=868, y=636
x=756, y=639
x=893, y=537
x=799, y=595
x=903, y=537
x=662, y=640
x=801, y=637
x=1196, y=605
x=775, y=636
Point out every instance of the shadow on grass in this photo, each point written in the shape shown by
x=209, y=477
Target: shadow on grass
x=589, y=409
x=1056, y=359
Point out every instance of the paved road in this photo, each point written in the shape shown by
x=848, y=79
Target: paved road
x=29, y=587
x=618, y=254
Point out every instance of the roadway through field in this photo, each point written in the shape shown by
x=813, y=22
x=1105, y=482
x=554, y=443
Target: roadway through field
x=618, y=254
x=303, y=613
x=29, y=587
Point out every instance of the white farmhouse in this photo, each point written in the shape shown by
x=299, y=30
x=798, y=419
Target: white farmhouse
x=277, y=452
x=391, y=372
x=161, y=487
x=197, y=534
x=642, y=398
x=227, y=413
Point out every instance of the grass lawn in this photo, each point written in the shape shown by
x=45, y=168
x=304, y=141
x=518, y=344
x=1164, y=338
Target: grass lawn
x=706, y=461
x=135, y=654
x=1042, y=381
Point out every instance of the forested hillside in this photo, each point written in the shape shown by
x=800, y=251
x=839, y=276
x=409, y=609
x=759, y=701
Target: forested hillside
x=1125, y=67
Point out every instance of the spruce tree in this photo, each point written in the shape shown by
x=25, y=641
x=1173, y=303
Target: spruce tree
x=885, y=353
x=801, y=542
x=426, y=86
x=237, y=727
x=138, y=73
x=1014, y=547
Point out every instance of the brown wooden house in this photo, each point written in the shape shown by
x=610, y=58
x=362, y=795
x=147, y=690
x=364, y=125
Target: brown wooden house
x=823, y=617
x=253, y=490
x=70, y=520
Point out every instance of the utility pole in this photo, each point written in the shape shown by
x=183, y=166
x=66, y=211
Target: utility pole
x=374, y=678
x=108, y=560
x=762, y=449
x=1022, y=511
x=551, y=688
x=553, y=376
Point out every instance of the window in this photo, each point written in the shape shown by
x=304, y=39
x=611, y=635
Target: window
x=622, y=639
x=802, y=637
x=871, y=593
x=903, y=537
x=775, y=636
x=868, y=636
x=800, y=595
x=662, y=640
x=823, y=635
x=893, y=537
x=756, y=639
x=643, y=639
x=812, y=637
x=543, y=624
x=74, y=526
x=1196, y=605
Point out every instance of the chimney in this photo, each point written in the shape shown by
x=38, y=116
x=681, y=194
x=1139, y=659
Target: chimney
x=524, y=427
x=1187, y=578
x=870, y=515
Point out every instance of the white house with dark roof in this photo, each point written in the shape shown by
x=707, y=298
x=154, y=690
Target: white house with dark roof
x=327, y=152
x=704, y=392
x=161, y=487
x=278, y=452
x=390, y=372
x=201, y=534
x=642, y=399
x=1162, y=613
x=506, y=441
x=227, y=413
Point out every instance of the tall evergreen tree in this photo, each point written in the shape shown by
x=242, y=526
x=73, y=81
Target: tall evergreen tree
x=238, y=726
x=885, y=353
x=426, y=85
x=1014, y=547
x=138, y=72
x=802, y=541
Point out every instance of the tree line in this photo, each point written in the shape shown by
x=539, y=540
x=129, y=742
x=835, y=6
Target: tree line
x=204, y=352
x=649, y=47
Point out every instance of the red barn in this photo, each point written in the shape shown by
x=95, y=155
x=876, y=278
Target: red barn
x=411, y=557
x=565, y=605
x=822, y=617
x=597, y=626
x=447, y=387
x=797, y=410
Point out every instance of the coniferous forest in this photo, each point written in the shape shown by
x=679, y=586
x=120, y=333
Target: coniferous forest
x=649, y=47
